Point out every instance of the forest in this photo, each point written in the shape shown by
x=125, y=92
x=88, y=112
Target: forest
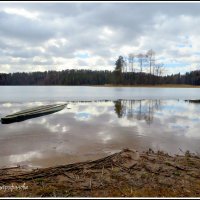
x=88, y=77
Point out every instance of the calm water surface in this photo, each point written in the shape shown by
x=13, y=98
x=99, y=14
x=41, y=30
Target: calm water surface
x=86, y=93
x=90, y=127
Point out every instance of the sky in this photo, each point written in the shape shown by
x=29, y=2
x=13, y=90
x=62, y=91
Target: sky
x=42, y=36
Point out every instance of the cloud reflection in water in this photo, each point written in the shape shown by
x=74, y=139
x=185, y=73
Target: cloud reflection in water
x=92, y=129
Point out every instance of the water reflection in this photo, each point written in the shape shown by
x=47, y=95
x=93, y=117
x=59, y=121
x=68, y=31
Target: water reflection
x=119, y=108
x=138, y=109
x=90, y=130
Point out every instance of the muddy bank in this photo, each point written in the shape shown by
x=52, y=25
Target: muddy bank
x=123, y=174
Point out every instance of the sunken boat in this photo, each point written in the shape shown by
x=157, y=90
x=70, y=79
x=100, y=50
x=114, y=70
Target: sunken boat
x=32, y=113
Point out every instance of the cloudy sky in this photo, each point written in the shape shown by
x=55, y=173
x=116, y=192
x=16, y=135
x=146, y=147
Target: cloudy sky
x=57, y=36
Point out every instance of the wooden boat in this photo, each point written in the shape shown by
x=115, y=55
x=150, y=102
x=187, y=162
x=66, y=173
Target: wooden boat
x=32, y=113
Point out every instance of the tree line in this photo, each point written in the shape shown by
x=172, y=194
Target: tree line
x=65, y=77
x=88, y=77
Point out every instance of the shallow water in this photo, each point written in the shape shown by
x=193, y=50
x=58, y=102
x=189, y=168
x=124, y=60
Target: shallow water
x=89, y=130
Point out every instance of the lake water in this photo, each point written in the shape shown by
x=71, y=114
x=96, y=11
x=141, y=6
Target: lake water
x=97, y=122
x=85, y=93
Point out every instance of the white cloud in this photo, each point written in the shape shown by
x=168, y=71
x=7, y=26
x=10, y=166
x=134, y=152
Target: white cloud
x=22, y=12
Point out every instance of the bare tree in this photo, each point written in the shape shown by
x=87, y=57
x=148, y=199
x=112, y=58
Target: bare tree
x=124, y=66
x=131, y=62
x=151, y=58
x=140, y=60
x=158, y=68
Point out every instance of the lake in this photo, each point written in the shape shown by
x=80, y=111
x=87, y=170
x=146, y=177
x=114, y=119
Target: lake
x=96, y=122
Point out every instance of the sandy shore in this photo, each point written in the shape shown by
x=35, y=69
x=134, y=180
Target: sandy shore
x=124, y=174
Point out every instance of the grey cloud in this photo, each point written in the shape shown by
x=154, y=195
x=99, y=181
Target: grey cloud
x=136, y=25
x=14, y=26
